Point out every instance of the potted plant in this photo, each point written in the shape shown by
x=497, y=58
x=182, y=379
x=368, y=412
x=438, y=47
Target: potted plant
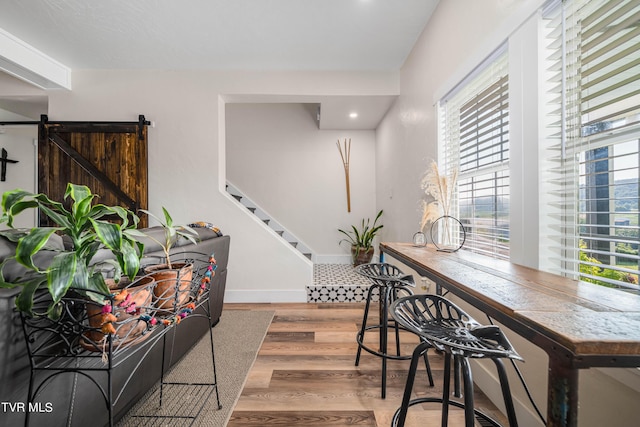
x=361, y=240
x=173, y=280
x=122, y=314
x=87, y=227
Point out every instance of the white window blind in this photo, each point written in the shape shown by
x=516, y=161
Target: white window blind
x=474, y=140
x=594, y=112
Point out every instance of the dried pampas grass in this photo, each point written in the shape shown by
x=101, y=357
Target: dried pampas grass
x=442, y=189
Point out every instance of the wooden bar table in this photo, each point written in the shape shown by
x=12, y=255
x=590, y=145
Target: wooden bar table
x=578, y=325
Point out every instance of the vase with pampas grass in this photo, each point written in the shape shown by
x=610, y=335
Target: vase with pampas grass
x=438, y=211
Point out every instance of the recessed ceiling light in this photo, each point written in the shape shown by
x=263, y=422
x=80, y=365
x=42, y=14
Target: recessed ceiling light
x=353, y=115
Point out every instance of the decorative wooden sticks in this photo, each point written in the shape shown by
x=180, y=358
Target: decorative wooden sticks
x=346, y=155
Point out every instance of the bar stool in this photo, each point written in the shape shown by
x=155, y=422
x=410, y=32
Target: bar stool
x=391, y=283
x=448, y=328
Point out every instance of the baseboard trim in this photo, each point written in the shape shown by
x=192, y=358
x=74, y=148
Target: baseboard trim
x=332, y=259
x=485, y=377
x=262, y=296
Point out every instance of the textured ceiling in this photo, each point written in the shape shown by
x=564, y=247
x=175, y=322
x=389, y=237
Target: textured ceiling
x=220, y=34
x=359, y=35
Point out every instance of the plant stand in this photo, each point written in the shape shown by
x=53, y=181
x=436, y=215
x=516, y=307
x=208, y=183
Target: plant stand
x=64, y=346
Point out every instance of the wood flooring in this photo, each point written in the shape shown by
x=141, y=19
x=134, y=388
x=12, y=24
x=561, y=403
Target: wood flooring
x=305, y=375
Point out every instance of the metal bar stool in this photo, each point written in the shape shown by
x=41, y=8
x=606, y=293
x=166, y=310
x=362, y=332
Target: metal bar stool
x=448, y=328
x=390, y=283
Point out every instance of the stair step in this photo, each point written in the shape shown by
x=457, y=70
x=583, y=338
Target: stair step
x=339, y=293
x=267, y=221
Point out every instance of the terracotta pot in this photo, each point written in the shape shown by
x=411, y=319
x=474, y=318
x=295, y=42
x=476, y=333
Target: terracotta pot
x=362, y=256
x=170, y=282
x=128, y=325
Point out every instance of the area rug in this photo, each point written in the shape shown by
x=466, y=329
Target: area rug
x=237, y=339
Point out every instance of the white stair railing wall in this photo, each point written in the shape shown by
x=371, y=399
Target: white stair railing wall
x=269, y=221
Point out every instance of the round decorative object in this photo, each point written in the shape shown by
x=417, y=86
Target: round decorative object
x=419, y=239
x=444, y=234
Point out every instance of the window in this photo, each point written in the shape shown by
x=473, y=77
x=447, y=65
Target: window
x=594, y=73
x=474, y=140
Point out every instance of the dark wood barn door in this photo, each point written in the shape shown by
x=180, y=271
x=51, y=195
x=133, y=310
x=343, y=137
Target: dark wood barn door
x=108, y=157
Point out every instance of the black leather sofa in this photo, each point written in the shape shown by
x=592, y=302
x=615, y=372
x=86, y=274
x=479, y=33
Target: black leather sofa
x=72, y=393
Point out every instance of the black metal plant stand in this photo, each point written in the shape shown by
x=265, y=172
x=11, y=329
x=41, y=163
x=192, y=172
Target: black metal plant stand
x=85, y=341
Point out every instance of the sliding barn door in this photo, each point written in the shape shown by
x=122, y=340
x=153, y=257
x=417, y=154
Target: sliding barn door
x=109, y=158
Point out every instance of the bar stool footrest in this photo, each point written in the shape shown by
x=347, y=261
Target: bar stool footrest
x=378, y=353
x=483, y=418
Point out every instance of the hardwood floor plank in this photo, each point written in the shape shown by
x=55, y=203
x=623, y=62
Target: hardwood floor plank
x=419, y=417
x=305, y=348
x=259, y=378
x=316, y=362
x=315, y=326
x=309, y=418
x=330, y=380
x=333, y=336
x=326, y=315
x=289, y=336
x=339, y=400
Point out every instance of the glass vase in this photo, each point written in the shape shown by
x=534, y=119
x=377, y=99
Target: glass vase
x=448, y=234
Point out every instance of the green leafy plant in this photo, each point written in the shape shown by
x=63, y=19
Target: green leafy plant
x=87, y=226
x=171, y=233
x=362, y=238
x=589, y=269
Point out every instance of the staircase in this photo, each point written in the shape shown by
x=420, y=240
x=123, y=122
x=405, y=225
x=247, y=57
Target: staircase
x=269, y=221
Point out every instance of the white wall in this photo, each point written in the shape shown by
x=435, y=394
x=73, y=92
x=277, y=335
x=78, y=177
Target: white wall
x=186, y=153
x=294, y=171
x=20, y=146
x=458, y=37
x=20, y=102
